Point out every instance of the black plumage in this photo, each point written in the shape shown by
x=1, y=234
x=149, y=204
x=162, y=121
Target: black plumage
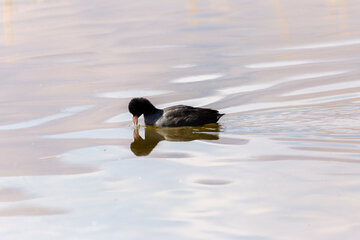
x=175, y=116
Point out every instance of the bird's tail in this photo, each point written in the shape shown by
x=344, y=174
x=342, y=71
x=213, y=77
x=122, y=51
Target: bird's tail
x=219, y=116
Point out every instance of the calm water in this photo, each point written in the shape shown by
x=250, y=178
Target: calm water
x=283, y=164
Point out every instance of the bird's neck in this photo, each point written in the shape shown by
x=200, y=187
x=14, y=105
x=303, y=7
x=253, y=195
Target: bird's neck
x=151, y=109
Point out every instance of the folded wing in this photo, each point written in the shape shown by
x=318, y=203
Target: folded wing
x=188, y=116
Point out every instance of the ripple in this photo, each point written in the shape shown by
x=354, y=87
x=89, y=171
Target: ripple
x=256, y=87
x=333, y=98
x=132, y=93
x=325, y=45
x=245, y=88
x=95, y=154
x=36, y=122
x=14, y=195
x=316, y=75
x=123, y=117
x=324, y=88
x=213, y=182
x=75, y=57
x=198, y=78
x=183, y=66
x=169, y=46
x=280, y=64
x=30, y=211
x=269, y=105
x=197, y=102
x=108, y=133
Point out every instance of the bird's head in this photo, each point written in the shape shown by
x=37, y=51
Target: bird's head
x=139, y=106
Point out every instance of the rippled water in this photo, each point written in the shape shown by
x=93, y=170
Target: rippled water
x=282, y=164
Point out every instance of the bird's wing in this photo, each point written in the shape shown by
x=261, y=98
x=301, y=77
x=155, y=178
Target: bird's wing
x=188, y=116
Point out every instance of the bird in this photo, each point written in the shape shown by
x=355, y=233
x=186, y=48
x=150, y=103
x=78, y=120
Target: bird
x=175, y=116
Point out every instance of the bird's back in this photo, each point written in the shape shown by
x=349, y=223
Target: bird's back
x=182, y=115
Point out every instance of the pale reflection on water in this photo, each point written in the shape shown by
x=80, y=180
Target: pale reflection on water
x=282, y=164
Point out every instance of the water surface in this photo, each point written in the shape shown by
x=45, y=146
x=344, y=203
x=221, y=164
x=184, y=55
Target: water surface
x=282, y=164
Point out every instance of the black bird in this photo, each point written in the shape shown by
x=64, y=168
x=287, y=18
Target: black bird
x=176, y=116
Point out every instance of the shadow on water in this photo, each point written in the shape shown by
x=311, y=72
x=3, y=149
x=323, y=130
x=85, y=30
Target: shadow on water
x=153, y=135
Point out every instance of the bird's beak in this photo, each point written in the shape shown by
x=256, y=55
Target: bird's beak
x=136, y=134
x=135, y=120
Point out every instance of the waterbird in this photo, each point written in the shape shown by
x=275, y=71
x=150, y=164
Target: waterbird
x=175, y=116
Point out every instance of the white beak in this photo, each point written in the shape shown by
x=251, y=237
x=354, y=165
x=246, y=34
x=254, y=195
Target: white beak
x=135, y=120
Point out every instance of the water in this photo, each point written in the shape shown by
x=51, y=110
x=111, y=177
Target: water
x=282, y=164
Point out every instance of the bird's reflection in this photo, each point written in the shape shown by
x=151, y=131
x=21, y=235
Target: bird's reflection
x=153, y=135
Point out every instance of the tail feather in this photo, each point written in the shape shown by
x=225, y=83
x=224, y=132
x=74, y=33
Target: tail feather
x=219, y=116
